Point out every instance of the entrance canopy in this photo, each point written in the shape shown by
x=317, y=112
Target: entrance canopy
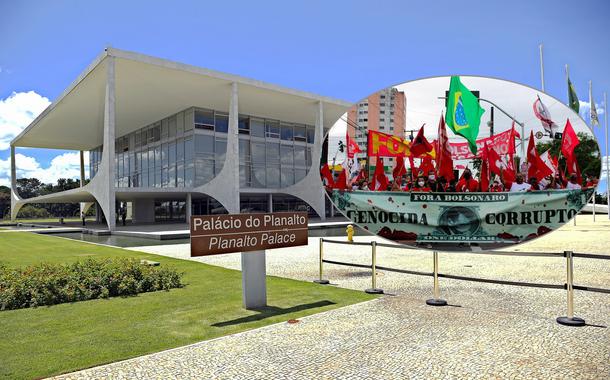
x=149, y=89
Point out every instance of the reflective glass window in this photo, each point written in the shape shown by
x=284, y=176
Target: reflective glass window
x=257, y=127
x=287, y=155
x=272, y=129
x=204, y=119
x=222, y=123
x=273, y=176
x=299, y=155
x=243, y=124
x=300, y=133
x=204, y=144
x=258, y=152
x=273, y=152
x=286, y=132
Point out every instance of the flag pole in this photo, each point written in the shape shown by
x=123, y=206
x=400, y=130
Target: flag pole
x=541, y=67
x=591, y=102
x=607, y=162
x=592, y=131
x=568, y=83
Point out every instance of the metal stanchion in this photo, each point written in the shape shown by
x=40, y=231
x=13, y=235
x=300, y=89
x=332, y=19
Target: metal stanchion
x=570, y=319
x=320, y=279
x=437, y=300
x=373, y=289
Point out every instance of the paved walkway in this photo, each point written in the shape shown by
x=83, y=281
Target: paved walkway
x=489, y=331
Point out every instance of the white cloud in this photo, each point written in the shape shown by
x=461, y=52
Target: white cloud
x=66, y=165
x=17, y=111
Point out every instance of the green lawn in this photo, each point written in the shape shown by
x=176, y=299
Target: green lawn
x=56, y=339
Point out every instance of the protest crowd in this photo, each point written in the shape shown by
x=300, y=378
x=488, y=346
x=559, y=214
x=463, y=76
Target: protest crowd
x=436, y=171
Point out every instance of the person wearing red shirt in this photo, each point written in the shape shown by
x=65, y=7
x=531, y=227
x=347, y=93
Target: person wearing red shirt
x=497, y=187
x=421, y=185
x=467, y=183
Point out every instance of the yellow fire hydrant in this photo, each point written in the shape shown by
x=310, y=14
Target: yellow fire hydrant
x=350, y=233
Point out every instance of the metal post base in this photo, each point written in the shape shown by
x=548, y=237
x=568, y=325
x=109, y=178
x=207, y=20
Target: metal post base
x=436, y=302
x=322, y=282
x=575, y=321
x=374, y=291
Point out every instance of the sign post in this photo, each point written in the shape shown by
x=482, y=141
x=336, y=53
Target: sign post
x=252, y=233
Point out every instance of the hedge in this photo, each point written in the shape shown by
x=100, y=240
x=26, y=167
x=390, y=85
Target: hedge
x=50, y=284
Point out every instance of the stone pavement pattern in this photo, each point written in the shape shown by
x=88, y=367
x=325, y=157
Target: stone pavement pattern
x=489, y=331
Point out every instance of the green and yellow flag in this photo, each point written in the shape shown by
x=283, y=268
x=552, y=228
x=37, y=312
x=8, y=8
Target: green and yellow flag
x=464, y=113
x=573, y=102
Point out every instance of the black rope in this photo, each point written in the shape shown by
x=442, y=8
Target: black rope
x=496, y=253
x=473, y=279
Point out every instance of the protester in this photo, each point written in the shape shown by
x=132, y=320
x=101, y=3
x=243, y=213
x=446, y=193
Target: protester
x=533, y=181
x=591, y=181
x=421, y=185
x=467, y=183
x=441, y=185
x=451, y=187
x=573, y=183
x=559, y=183
x=519, y=185
x=497, y=186
x=396, y=185
x=364, y=185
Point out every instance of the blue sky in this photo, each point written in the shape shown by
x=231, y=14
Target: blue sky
x=344, y=49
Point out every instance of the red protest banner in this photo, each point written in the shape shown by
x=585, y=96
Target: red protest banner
x=500, y=143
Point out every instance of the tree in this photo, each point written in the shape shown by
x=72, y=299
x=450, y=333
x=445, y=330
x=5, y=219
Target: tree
x=587, y=154
x=5, y=201
x=29, y=187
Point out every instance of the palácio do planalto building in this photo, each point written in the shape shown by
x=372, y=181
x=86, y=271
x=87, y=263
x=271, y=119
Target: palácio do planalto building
x=176, y=140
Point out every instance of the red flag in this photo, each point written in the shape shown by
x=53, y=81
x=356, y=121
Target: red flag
x=426, y=166
x=382, y=144
x=341, y=182
x=328, y=176
x=379, y=181
x=352, y=146
x=537, y=167
x=491, y=157
x=444, y=162
x=569, y=142
x=532, y=157
x=542, y=113
x=413, y=168
x=484, y=180
x=399, y=169
x=420, y=145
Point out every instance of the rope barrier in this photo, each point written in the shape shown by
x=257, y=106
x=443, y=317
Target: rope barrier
x=569, y=320
x=497, y=253
x=463, y=278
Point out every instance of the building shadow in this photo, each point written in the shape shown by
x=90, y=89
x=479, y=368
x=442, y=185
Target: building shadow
x=272, y=311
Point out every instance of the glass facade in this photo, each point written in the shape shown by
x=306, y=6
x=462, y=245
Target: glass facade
x=272, y=153
x=188, y=149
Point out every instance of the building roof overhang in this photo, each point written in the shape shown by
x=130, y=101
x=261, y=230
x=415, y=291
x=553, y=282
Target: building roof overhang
x=148, y=89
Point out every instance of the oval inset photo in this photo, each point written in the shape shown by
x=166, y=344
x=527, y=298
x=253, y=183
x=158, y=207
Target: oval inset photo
x=460, y=163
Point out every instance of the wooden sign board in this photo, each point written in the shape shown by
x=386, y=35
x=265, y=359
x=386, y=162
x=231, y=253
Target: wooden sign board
x=227, y=233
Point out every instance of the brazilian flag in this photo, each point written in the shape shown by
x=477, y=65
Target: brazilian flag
x=572, y=98
x=464, y=113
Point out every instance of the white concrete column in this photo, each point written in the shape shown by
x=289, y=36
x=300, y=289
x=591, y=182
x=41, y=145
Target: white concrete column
x=107, y=197
x=82, y=168
x=253, y=264
x=315, y=160
x=15, y=206
x=270, y=201
x=188, y=207
x=13, y=169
